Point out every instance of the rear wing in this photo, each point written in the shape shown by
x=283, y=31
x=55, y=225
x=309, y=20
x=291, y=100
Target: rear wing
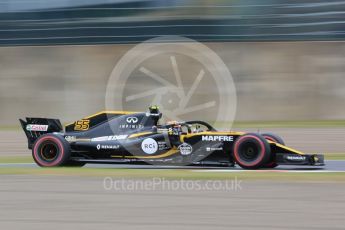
x=35, y=127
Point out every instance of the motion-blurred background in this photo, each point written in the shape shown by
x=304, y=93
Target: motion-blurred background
x=286, y=57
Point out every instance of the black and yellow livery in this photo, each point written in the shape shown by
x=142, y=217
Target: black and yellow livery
x=138, y=138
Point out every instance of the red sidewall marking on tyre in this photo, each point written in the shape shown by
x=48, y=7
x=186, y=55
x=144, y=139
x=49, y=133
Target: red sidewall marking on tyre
x=38, y=158
x=257, y=160
x=270, y=138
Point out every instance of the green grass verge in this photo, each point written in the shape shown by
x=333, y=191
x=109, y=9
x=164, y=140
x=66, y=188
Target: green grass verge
x=16, y=159
x=335, y=156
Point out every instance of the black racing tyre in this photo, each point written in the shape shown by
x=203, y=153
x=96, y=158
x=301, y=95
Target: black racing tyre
x=51, y=150
x=275, y=138
x=251, y=151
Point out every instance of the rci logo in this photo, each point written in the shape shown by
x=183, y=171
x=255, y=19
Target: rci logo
x=149, y=146
x=132, y=120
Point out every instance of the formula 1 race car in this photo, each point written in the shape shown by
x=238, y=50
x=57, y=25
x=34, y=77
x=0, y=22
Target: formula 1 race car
x=138, y=138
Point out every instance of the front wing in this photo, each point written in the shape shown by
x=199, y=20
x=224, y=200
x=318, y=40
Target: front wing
x=297, y=159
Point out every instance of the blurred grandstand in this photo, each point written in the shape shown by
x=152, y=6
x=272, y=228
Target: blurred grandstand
x=276, y=78
x=42, y=22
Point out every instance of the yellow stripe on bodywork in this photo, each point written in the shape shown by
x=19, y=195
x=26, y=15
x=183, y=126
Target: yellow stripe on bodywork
x=83, y=140
x=105, y=112
x=139, y=134
x=167, y=154
x=288, y=148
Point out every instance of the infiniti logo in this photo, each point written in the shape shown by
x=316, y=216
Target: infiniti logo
x=132, y=120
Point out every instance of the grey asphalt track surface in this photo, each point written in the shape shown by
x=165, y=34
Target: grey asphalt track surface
x=62, y=202
x=34, y=202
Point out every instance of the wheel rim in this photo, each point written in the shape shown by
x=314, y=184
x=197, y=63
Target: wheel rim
x=49, y=151
x=249, y=151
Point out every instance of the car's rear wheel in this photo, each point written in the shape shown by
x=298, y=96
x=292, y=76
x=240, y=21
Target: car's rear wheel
x=51, y=150
x=274, y=138
x=251, y=151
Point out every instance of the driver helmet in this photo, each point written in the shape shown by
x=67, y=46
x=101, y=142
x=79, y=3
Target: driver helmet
x=154, y=111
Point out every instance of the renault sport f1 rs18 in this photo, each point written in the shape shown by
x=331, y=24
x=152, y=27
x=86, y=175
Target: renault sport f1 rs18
x=139, y=138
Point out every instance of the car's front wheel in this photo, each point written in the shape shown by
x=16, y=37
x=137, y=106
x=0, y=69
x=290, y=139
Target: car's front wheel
x=51, y=150
x=251, y=151
x=275, y=138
